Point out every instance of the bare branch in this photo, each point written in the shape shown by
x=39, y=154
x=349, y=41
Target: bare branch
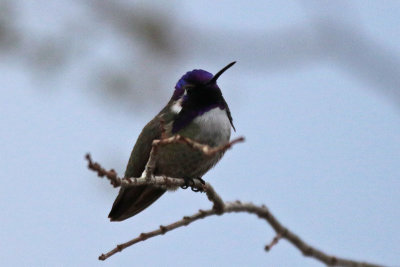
x=219, y=206
x=186, y=220
x=263, y=213
x=157, y=180
x=218, y=203
x=132, y=181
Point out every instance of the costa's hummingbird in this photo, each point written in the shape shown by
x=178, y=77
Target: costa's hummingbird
x=196, y=110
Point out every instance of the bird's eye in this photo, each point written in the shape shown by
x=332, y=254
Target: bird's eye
x=189, y=90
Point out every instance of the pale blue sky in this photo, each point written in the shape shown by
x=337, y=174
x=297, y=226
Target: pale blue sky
x=322, y=146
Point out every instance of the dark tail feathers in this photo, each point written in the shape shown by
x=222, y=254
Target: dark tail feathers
x=131, y=201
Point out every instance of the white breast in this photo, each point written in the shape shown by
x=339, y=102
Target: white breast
x=215, y=124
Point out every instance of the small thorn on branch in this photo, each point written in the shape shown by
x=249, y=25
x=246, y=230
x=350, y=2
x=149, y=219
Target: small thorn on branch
x=143, y=236
x=163, y=229
x=274, y=241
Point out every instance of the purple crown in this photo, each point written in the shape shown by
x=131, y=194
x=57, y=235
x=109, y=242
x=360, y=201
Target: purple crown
x=194, y=77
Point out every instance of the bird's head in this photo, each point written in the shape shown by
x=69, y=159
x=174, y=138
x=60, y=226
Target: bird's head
x=196, y=93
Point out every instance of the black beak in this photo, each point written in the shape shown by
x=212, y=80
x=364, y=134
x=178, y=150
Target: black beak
x=216, y=76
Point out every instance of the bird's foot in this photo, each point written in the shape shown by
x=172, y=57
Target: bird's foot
x=189, y=182
x=201, y=180
x=197, y=189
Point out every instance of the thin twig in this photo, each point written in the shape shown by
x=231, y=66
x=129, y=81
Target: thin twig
x=274, y=241
x=149, y=169
x=157, y=180
x=186, y=220
x=101, y=172
x=207, y=150
x=163, y=130
x=132, y=181
x=151, y=164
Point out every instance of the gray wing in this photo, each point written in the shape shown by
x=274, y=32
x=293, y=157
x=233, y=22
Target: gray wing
x=130, y=201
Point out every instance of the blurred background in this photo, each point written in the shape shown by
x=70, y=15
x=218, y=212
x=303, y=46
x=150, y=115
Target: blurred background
x=316, y=93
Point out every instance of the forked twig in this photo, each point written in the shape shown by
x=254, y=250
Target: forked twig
x=219, y=206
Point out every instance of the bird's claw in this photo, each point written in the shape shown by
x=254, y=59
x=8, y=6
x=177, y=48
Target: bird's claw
x=201, y=180
x=189, y=182
x=197, y=189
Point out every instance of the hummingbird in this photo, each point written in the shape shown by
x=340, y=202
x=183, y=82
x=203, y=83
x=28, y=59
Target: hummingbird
x=196, y=110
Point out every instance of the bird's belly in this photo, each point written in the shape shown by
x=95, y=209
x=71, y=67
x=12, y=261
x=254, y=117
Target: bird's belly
x=180, y=160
